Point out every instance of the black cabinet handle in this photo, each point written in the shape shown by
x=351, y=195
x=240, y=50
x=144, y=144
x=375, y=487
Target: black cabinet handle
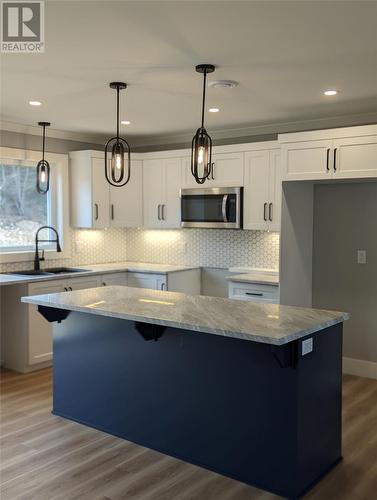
x=270, y=212
x=254, y=294
x=112, y=212
x=328, y=159
x=70, y=288
x=96, y=211
x=335, y=151
x=65, y=289
x=265, y=211
x=213, y=171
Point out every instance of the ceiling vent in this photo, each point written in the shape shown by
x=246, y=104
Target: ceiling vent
x=223, y=84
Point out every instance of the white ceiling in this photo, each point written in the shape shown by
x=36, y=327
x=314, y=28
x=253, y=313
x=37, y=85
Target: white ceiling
x=283, y=54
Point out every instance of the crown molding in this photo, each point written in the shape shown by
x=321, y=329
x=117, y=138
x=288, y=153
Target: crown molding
x=268, y=131
x=56, y=134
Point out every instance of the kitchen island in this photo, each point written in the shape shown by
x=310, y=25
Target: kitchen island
x=251, y=391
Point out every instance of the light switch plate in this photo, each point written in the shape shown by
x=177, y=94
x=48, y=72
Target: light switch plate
x=306, y=346
x=361, y=256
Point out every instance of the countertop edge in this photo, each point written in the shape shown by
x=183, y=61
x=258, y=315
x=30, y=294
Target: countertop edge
x=201, y=329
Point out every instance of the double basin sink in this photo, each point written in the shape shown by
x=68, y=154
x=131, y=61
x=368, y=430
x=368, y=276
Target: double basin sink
x=49, y=271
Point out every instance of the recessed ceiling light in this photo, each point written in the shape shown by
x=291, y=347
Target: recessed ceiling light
x=330, y=92
x=223, y=84
x=125, y=122
x=35, y=103
x=214, y=110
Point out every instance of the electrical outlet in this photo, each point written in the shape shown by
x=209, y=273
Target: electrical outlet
x=361, y=256
x=306, y=346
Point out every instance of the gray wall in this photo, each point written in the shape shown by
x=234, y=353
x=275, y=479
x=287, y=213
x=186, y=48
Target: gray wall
x=345, y=220
x=34, y=143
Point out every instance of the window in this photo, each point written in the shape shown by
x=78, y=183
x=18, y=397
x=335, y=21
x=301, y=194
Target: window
x=23, y=210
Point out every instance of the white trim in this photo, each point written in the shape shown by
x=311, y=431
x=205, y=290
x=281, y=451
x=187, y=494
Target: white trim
x=360, y=367
x=56, y=134
x=334, y=133
x=60, y=185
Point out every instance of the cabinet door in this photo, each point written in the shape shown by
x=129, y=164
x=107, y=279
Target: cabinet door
x=114, y=279
x=152, y=192
x=355, y=157
x=100, y=195
x=145, y=280
x=307, y=160
x=126, y=203
x=275, y=192
x=256, y=191
x=40, y=330
x=227, y=170
x=83, y=283
x=171, y=203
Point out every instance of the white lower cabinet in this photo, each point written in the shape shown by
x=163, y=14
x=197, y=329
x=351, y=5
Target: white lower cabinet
x=254, y=292
x=147, y=280
x=27, y=336
x=119, y=279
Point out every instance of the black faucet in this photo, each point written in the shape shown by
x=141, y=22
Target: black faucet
x=38, y=259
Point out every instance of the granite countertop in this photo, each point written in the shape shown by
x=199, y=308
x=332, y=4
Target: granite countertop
x=267, y=323
x=93, y=269
x=256, y=277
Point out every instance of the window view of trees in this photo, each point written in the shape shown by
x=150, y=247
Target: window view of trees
x=22, y=209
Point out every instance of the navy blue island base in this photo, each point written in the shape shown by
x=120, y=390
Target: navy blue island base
x=261, y=414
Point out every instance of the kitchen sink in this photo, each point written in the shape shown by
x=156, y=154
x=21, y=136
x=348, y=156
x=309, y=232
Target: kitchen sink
x=58, y=270
x=49, y=271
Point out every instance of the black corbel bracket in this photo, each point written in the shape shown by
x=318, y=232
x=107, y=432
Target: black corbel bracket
x=285, y=355
x=150, y=331
x=52, y=314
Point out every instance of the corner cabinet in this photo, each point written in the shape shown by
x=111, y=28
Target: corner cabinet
x=262, y=191
x=94, y=202
x=227, y=171
x=161, y=185
x=348, y=153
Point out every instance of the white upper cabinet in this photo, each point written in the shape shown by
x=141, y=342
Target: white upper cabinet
x=96, y=204
x=161, y=185
x=126, y=203
x=308, y=160
x=262, y=192
x=355, y=157
x=227, y=171
x=345, y=153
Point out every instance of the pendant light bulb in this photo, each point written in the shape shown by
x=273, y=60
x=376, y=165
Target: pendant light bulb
x=118, y=167
x=201, y=146
x=43, y=167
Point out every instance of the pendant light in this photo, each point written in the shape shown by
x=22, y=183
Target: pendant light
x=118, y=166
x=201, y=146
x=43, y=167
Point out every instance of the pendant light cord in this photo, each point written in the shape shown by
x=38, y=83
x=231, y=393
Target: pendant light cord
x=43, y=142
x=204, y=96
x=118, y=112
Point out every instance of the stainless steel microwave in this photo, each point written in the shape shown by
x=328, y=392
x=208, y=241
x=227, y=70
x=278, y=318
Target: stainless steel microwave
x=212, y=207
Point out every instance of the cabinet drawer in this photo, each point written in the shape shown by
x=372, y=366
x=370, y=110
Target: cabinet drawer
x=146, y=280
x=254, y=292
x=114, y=279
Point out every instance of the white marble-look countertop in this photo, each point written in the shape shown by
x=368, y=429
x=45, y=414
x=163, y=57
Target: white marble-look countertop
x=255, y=277
x=267, y=323
x=93, y=269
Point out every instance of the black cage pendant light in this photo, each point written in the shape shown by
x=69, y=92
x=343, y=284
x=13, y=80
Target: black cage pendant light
x=118, y=166
x=43, y=167
x=201, y=146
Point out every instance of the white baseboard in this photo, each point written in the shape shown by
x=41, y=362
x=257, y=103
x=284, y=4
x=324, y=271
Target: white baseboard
x=360, y=367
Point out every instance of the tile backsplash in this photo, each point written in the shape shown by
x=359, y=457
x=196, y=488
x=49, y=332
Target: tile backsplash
x=204, y=247
x=199, y=247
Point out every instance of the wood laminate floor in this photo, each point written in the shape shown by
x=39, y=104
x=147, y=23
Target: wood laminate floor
x=45, y=457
